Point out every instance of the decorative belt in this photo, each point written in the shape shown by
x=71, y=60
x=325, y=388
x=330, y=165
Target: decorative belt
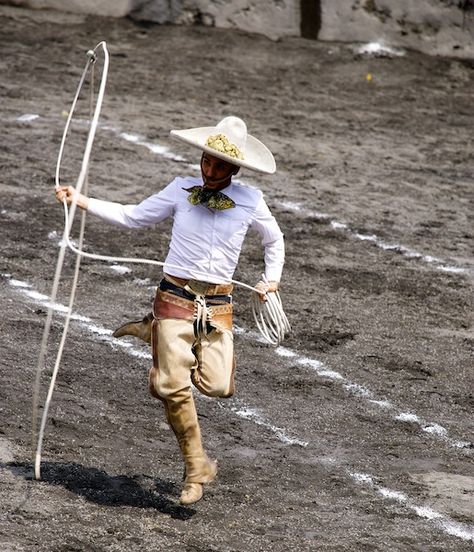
x=206, y=312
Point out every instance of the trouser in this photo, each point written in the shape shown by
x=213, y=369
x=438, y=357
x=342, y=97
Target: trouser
x=179, y=359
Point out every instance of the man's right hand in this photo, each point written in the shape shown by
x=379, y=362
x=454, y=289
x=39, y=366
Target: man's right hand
x=68, y=193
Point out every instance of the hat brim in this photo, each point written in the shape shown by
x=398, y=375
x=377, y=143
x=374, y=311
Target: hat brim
x=257, y=157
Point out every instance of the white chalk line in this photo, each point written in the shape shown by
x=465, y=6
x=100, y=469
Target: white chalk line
x=103, y=334
x=437, y=263
x=167, y=153
x=443, y=522
x=248, y=413
x=27, y=117
x=433, y=429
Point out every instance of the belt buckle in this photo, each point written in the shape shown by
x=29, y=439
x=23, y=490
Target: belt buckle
x=199, y=288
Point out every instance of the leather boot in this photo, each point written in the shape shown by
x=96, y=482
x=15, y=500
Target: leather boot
x=138, y=328
x=182, y=418
x=192, y=491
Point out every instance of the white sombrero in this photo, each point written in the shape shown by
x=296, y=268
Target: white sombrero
x=229, y=141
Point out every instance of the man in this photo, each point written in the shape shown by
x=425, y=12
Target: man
x=190, y=328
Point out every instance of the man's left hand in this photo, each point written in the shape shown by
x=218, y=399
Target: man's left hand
x=266, y=287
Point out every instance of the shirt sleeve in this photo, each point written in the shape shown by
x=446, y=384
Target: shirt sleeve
x=272, y=240
x=150, y=211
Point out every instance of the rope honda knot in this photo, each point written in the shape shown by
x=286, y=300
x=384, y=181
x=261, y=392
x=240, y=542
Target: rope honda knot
x=201, y=315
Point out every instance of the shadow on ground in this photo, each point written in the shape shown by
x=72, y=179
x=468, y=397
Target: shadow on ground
x=98, y=486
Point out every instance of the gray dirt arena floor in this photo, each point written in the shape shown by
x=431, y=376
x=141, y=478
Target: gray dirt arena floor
x=354, y=435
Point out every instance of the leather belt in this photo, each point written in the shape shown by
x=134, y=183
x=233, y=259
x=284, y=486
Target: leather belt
x=200, y=288
x=167, y=286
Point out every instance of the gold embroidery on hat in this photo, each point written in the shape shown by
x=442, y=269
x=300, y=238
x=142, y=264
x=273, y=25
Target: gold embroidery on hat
x=219, y=142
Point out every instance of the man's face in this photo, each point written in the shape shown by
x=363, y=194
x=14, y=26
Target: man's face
x=216, y=173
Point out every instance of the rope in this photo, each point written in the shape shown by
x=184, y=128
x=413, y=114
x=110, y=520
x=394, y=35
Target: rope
x=268, y=315
x=80, y=181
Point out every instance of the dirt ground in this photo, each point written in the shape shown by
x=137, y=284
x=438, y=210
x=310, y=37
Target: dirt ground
x=356, y=435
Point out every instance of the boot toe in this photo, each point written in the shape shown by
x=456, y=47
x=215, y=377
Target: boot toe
x=192, y=492
x=131, y=328
x=138, y=328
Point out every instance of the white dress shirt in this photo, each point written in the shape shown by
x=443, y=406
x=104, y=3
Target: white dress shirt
x=205, y=243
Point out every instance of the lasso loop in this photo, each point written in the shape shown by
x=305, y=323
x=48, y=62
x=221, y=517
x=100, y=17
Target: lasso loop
x=92, y=56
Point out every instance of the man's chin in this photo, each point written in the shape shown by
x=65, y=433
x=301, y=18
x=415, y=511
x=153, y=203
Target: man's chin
x=219, y=185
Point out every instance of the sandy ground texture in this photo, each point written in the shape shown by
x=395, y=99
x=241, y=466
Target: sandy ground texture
x=356, y=435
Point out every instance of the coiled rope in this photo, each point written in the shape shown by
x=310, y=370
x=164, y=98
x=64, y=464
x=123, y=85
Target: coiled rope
x=268, y=315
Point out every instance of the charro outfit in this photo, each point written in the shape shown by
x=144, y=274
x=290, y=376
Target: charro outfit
x=192, y=326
